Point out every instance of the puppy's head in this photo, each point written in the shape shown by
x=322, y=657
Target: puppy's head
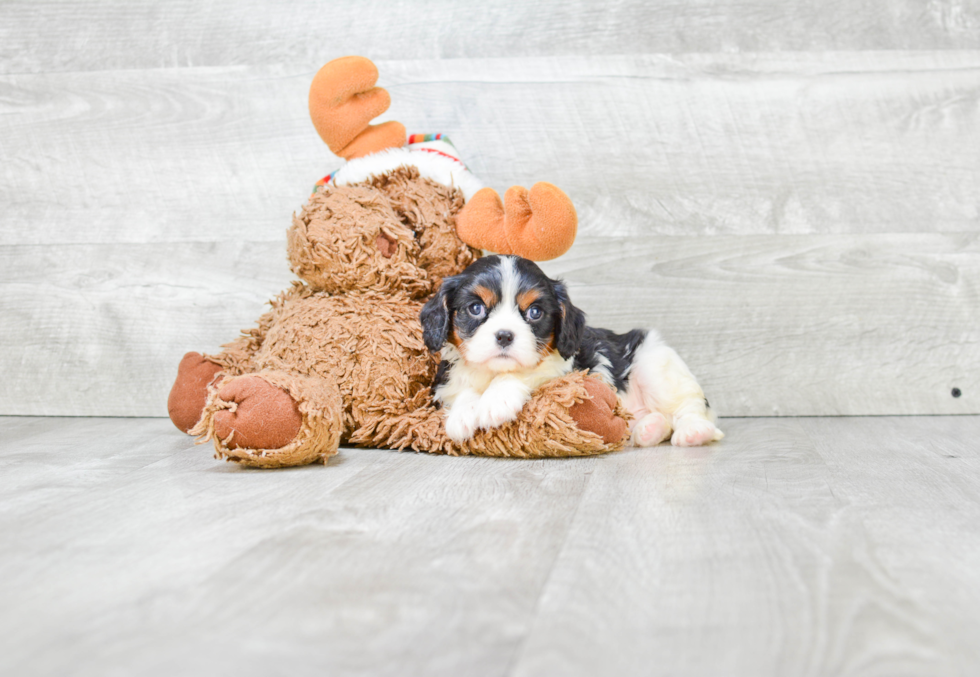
x=503, y=313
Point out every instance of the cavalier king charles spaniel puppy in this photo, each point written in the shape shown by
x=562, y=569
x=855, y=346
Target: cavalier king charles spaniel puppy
x=505, y=328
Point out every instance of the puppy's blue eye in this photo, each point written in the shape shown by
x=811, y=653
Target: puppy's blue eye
x=534, y=313
x=477, y=310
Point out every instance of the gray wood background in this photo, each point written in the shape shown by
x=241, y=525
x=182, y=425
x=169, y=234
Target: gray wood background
x=789, y=191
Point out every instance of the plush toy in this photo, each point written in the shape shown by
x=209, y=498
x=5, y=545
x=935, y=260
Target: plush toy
x=340, y=357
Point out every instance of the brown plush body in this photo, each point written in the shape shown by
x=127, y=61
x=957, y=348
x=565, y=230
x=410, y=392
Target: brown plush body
x=340, y=357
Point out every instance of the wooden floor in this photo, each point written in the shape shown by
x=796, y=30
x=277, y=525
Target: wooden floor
x=795, y=547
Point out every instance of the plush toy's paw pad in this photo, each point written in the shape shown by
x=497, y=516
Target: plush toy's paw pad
x=500, y=406
x=190, y=390
x=343, y=100
x=462, y=421
x=596, y=414
x=693, y=432
x=651, y=430
x=261, y=416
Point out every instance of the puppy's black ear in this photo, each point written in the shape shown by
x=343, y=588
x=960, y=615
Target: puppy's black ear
x=436, y=315
x=571, y=324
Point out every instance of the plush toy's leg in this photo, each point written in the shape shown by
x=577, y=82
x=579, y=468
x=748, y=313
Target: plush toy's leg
x=546, y=426
x=539, y=224
x=190, y=390
x=273, y=419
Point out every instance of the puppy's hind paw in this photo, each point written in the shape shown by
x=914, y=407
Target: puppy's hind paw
x=650, y=430
x=693, y=432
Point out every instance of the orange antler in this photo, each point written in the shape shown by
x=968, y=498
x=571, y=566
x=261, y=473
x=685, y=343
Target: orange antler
x=344, y=100
x=539, y=224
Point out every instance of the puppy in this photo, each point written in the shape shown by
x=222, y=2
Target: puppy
x=505, y=328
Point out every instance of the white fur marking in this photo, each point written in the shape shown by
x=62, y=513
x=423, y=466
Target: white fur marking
x=603, y=369
x=464, y=418
x=482, y=348
x=488, y=399
x=463, y=376
x=503, y=400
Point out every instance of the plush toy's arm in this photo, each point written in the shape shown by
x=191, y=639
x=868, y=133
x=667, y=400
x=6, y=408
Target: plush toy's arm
x=576, y=415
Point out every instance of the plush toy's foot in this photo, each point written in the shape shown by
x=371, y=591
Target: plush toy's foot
x=598, y=414
x=190, y=390
x=262, y=416
x=539, y=224
x=343, y=100
x=273, y=419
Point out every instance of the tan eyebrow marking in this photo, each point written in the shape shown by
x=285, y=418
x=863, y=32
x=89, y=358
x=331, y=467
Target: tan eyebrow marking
x=527, y=297
x=486, y=294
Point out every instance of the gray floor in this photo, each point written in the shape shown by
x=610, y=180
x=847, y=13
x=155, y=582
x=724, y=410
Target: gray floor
x=794, y=547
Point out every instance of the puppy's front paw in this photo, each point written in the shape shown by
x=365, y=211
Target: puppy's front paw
x=501, y=405
x=693, y=432
x=462, y=421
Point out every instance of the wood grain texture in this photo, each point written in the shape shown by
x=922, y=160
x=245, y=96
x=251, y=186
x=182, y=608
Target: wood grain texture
x=149, y=175
x=799, y=325
x=934, y=468
x=170, y=562
x=793, y=547
x=99, y=329
x=727, y=144
x=118, y=35
x=789, y=325
x=171, y=156
x=757, y=558
x=716, y=144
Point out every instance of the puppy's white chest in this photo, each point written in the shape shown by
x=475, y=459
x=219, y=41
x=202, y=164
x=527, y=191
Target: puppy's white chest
x=463, y=377
x=500, y=402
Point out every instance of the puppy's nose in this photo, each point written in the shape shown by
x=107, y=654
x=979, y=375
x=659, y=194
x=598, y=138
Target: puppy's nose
x=504, y=338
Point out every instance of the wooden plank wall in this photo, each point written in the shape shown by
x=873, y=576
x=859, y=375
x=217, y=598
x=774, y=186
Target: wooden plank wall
x=788, y=191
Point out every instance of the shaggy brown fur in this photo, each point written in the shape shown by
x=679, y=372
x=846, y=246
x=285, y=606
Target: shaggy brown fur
x=346, y=344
